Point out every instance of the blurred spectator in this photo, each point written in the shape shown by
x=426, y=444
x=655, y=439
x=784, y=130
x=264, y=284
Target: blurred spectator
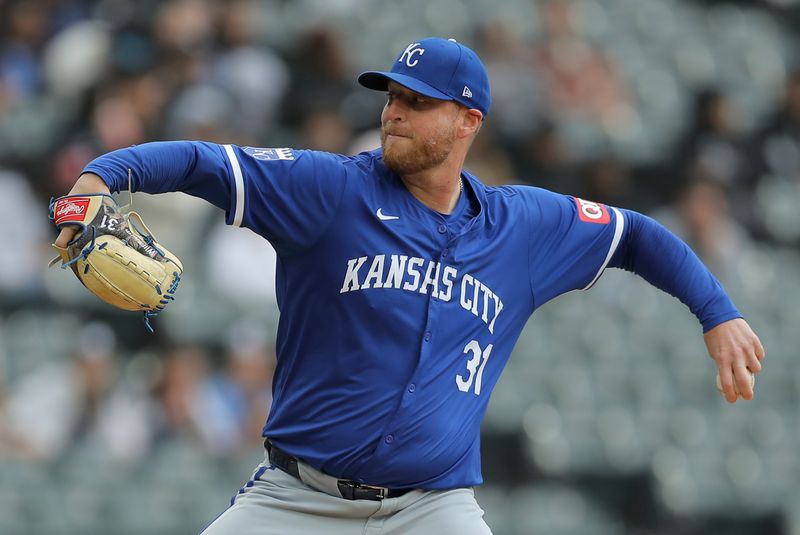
x=82, y=402
x=542, y=159
x=202, y=111
x=703, y=220
x=366, y=141
x=184, y=25
x=780, y=139
x=10, y=444
x=714, y=138
x=609, y=180
x=75, y=59
x=256, y=78
x=116, y=124
x=325, y=130
x=236, y=400
x=183, y=36
x=518, y=98
x=488, y=162
x=178, y=415
x=134, y=104
x=714, y=143
x=321, y=74
x=582, y=81
x=124, y=111
x=230, y=89
x=240, y=265
x=20, y=277
x=23, y=26
x=67, y=163
x=777, y=153
x=24, y=29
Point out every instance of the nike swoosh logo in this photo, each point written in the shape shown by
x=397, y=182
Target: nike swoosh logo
x=384, y=217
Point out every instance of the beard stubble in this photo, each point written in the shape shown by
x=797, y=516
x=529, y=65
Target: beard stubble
x=419, y=155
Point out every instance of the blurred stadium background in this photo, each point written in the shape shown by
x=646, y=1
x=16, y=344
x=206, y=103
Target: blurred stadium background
x=607, y=420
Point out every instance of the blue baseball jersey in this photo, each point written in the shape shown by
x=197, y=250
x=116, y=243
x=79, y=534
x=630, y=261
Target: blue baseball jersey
x=395, y=320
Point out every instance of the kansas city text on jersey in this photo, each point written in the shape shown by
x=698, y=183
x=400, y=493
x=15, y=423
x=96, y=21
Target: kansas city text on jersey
x=414, y=274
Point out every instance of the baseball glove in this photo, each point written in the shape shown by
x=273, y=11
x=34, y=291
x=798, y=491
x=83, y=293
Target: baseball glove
x=115, y=256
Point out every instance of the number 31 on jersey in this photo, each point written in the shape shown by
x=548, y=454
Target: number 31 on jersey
x=475, y=366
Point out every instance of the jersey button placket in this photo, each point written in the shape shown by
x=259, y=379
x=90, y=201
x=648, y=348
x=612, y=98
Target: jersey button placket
x=389, y=439
x=427, y=336
x=442, y=228
x=412, y=388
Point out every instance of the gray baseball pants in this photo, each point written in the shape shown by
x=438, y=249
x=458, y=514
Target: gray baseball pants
x=276, y=503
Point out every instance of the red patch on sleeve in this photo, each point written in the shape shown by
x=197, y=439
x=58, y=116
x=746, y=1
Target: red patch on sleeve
x=592, y=212
x=71, y=209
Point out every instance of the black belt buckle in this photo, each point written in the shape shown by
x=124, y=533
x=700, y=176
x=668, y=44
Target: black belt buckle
x=349, y=489
x=353, y=490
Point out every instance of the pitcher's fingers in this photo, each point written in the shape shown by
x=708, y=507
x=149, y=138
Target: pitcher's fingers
x=759, y=349
x=726, y=380
x=753, y=364
x=66, y=235
x=744, y=380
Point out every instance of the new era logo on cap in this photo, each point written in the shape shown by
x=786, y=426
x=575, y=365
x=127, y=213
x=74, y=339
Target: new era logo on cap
x=438, y=68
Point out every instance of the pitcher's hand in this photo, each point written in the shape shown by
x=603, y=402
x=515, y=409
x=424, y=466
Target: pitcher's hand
x=738, y=352
x=87, y=183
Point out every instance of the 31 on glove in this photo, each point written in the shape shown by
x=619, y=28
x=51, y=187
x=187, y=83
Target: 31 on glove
x=115, y=256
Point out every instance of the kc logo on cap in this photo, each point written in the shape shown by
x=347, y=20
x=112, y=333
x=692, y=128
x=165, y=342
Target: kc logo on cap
x=408, y=54
x=438, y=68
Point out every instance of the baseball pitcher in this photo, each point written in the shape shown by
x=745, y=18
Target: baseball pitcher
x=403, y=284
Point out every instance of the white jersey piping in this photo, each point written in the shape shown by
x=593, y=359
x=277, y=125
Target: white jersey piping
x=619, y=222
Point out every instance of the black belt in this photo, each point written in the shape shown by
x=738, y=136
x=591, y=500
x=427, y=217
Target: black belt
x=349, y=489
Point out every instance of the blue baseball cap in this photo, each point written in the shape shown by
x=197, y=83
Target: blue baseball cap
x=437, y=68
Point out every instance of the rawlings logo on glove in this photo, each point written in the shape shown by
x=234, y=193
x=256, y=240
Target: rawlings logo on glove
x=71, y=209
x=115, y=256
